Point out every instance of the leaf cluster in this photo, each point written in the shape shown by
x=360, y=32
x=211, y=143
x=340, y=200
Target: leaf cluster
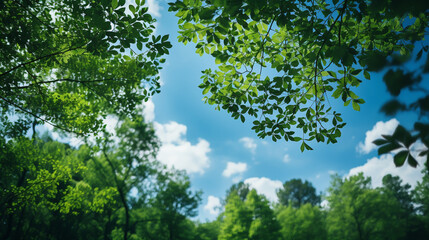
x=70, y=63
x=313, y=50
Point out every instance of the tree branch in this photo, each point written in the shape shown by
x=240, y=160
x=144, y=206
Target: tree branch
x=39, y=58
x=38, y=117
x=63, y=80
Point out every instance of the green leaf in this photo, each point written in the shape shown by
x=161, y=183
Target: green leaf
x=295, y=63
x=307, y=146
x=114, y=4
x=353, y=95
x=207, y=13
x=164, y=38
x=188, y=25
x=337, y=93
x=388, y=148
x=356, y=71
x=423, y=153
x=366, y=75
x=242, y=118
x=412, y=161
x=278, y=38
x=380, y=141
x=132, y=9
x=356, y=106
x=400, y=157
x=206, y=90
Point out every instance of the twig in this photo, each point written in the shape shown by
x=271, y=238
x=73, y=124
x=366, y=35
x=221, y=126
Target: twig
x=38, y=117
x=39, y=58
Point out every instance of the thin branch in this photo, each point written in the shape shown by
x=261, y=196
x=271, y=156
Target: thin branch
x=39, y=58
x=63, y=80
x=321, y=47
x=35, y=80
x=38, y=117
x=38, y=19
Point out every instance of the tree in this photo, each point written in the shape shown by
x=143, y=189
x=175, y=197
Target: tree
x=127, y=161
x=393, y=185
x=41, y=182
x=264, y=224
x=296, y=193
x=71, y=63
x=175, y=202
x=313, y=50
x=249, y=219
x=112, y=189
x=241, y=189
x=358, y=212
x=393, y=188
x=207, y=230
x=305, y=222
x=236, y=219
x=421, y=198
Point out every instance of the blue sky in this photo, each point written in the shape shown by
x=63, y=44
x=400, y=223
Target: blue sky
x=217, y=151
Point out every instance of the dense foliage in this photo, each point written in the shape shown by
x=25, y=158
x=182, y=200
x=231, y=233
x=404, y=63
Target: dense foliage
x=72, y=63
x=105, y=191
x=279, y=62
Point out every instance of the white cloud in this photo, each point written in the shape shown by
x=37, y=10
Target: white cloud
x=377, y=168
x=154, y=8
x=286, y=158
x=149, y=111
x=375, y=133
x=213, y=205
x=249, y=143
x=265, y=186
x=171, y=133
x=324, y=204
x=236, y=169
x=175, y=150
x=179, y=153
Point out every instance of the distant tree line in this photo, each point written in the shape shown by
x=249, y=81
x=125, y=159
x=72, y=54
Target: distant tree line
x=351, y=209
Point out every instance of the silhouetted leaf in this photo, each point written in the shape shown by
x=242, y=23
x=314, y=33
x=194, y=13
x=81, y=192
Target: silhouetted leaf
x=400, y=157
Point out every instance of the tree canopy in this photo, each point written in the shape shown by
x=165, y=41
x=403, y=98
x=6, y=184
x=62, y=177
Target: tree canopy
x=71, y=63
x=279, y=62
x=295, y=193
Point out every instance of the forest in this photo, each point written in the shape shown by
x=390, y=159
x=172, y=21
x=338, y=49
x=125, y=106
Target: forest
x=68, y=67
x=119, y=191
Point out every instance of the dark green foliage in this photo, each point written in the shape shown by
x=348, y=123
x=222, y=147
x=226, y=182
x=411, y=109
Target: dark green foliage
x=403, y=140
x=296, y=193
x=207, y=231
x=70, y=63
x=304, y=222
x=241, y=189
x=356, y=211
x=115, y=190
